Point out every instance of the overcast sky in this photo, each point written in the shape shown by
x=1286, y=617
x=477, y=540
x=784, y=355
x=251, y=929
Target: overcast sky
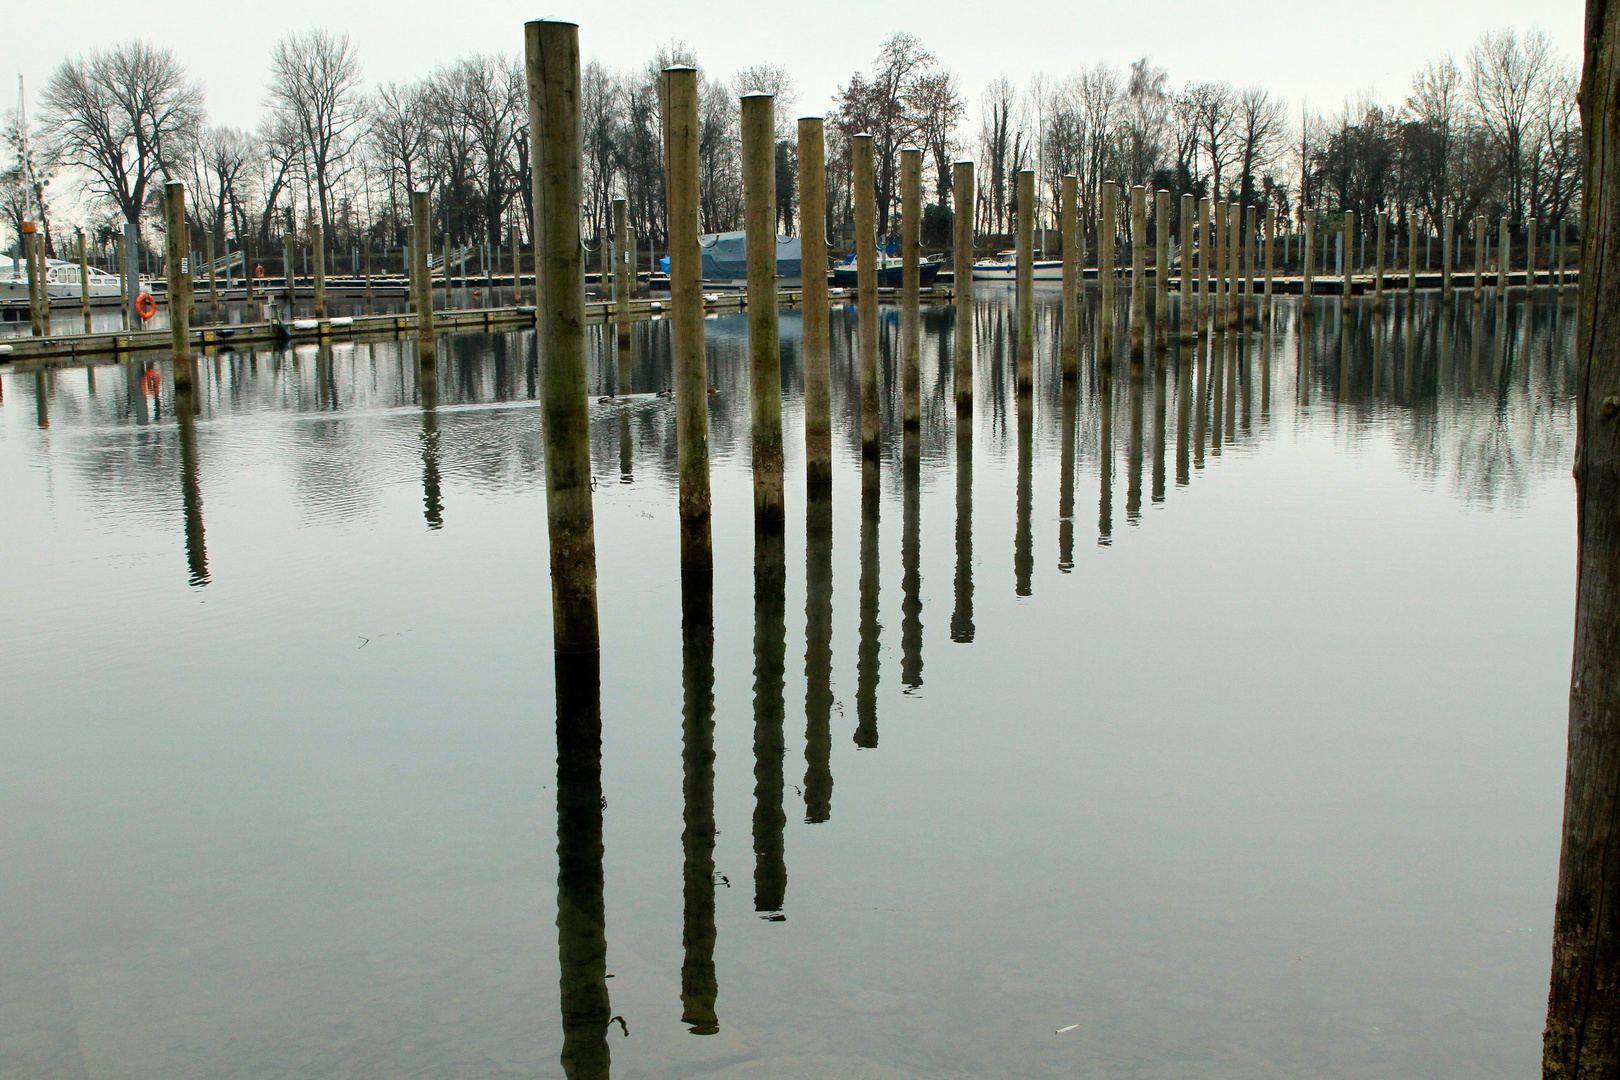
x=1304, y=49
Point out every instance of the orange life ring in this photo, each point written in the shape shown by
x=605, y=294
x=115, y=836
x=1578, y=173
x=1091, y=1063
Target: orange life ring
x=145, y=306
x=258, y=271
x=151, y=381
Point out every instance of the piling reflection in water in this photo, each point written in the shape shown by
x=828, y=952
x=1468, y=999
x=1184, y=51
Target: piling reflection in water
x=581, y=912
x=700, y=987
x=911, y=626
x=185, y=415
x=962, y=610
x=427, y=381
x=1023, y=533
x=770, y=666
x=818, y=656
x=1071, y=394
x=866, y=665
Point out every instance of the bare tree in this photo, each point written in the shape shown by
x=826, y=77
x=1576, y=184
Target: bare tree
x=1503, y=73
x=939, y=108
x=1433, y=111
x=1144, y=119
x=1213, y=105
x=882, y=107
x=125, y=117
x=315, y=87
x=400, y=130
x=995, y=140
x=219, y=172
x=1260, y=133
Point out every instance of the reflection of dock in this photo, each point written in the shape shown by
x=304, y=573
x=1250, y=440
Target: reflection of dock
x=71, y=346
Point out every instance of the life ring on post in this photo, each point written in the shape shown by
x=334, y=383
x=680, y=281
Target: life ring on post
x=151, y=381
x=258, y=271
x=145, y=306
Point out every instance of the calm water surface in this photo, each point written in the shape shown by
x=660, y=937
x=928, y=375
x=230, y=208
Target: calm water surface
x=1202, y=723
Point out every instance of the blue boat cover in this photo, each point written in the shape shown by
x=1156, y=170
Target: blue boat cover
x=725, y=256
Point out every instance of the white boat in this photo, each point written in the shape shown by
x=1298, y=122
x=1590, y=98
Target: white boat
x=1004, y=267
x=61, y=283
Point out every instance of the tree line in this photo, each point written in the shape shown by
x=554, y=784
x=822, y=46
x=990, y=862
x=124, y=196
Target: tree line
x=1497, y=134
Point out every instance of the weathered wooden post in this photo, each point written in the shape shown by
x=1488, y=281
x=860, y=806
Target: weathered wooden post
x=421, y=275
x=1107, y=229
x=1307, y=287
x=213, y=278
x=1504, y=261
x=1447, y=247
x=366, y=255
x=621, y=293
x=449, y=296
x=1378, y=260
x=517, y=267
x=817, y=348
x=1480, y=233
x=317, y=240
x=1411, y=260
x=1025, y=360
x=1251, y=253
x=1582, y=1037
x=291, y=280
x=1347, y=282
x=1271, y=244
x=1069, y=227
x=867, y=289
x=962, y=194
x=910, y=285
x=84, y=282
x=36, y=282
x=1530, y=259
x=1205, y=248
x=764, y=342
x=174, y=203
x=552, y=61
x=1138, y=270
x=1161, y=268
x=1234, y=244
x=681, y=128
x=1187, y=304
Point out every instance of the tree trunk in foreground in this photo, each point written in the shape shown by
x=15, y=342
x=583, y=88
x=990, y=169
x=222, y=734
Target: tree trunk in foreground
x=1583, y=1004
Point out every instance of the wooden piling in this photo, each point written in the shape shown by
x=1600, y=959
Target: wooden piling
x=174, y=204
x=84, y=282
x=317, y=240
x=817, y=346
x=291, y=280
x=1107, y=229
x=1377, y=284
x=1234, y=245
x=421, y=276
x=1411, y=259
x=764, y=341
x=213, y=279
x=1161, y=268
x=1530, y=259
x=681, y=128
x=1138, y=270
x=36, y=283
x=552, y=62
x=1218, y=266
x=1307, y=284
x=517, y=268
x=1504, y=261
x=1187, y=304
x=1480, y=234
x=1251, y=250
x=1271, y=245
x=867, y=289
x=1205, y=249
x=621, y=293
x=1068, y=227
x=1025, y=362
x=910, y=284
x=963, y=197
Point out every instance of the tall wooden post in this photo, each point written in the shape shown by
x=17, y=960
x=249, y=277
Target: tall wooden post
x=1069, y=227
x=1480, y=233
x=174, y=204
x=317, y=240
x=622, y=292
x=1218, y=232
x=1530, y=259
x=1161, y=267
x=1107, y=230
x=449, y=296
x=1271, y=244
x=1251, y=251
x=421, y=275
x=910, y=285
x=1206, y=248
x=289, y=273
x=1138, y=270
x=1026, y=281
x=1378, y=260
x=1504, y=261
x=867, y=289
x=84, y=282
x=36, y=281
x=817, y=347
x=1447, y=246
x=1411, y=260
x=517, y=268
x=1187, y=304
x=681, y=129
x=764, y=342
x=552, y=50
x=213, y=278
x=1582, y=1037
x=1308, y=263
x=963, y=196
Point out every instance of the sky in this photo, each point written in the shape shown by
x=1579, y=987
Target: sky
x=1306, y=51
